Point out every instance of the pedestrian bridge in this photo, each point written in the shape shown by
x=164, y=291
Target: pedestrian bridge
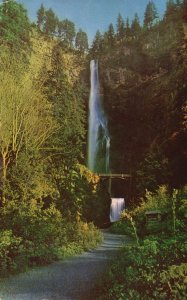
x=111, y=175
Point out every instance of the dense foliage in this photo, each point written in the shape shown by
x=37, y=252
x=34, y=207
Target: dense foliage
x=14, y=27
x=46, y=193
x=155, y=266
x=150, y=271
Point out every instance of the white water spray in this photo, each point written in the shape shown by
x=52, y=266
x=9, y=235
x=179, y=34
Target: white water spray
x=116, y=208
x=98, y=135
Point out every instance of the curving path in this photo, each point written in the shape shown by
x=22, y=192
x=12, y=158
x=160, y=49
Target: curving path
x=72, y=279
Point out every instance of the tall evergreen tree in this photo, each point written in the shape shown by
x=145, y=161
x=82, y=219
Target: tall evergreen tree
x=66, y=30
x=81, y=41
x=150, y=15
x=135, y=26
x=60, y=29
x=170, y=8
x=50, y=22
x=127, y=28
x=41, y=17
x=111, y=35
x=67, y=142
x=68, y=107
x=120, y=27
x=97, y=44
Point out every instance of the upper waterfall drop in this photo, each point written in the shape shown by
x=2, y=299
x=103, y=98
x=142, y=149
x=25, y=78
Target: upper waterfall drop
x=98, y=134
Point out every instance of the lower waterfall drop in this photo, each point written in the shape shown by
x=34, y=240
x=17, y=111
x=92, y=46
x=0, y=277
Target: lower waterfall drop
x=116, y=208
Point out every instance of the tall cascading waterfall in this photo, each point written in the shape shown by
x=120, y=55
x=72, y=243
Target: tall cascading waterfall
x=98, y=135
x=99, y=139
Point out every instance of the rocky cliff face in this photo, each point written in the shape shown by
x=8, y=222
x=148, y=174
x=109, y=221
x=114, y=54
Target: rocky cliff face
x=143, y=92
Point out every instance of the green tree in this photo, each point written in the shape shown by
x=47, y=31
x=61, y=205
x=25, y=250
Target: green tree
x=81, y=41
x=51, y=22
x=135, y=26
x=120, y=27
x=26, y=118
x=170, y=8
x=150, y=15
x=41, y=17
x=97, y=45
x=127, y=29
x=14, y=26
x=65, y=148
x=66, y=31
x=60, y=29
x=155, y=169
x=111, y=35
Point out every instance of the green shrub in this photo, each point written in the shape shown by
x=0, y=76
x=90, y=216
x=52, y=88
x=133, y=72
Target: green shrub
x=69, y=250
x=87, y=236
x=122, y=227
x=42, y=230
x=32, y=235
x=80, y=236
x=11, y=251
x=84, y=235
x=173, y=207
x=154, y=270
x=173, y=283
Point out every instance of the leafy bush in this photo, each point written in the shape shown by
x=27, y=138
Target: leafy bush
x=173, y=282
x=11, y=249
x=87, y=236
x=156, y=267
x=69, y=250
x=153, y=270
x=160, y=200
x=122, y=227
x=173, y=207
x=42, y=230
x=94, y=201
x=32, y=235
x=81, y=236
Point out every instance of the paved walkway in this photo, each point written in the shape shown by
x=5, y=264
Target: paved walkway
x=72, y=279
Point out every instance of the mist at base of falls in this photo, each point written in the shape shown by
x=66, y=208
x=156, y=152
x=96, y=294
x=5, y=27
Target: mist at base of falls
x=98, y=134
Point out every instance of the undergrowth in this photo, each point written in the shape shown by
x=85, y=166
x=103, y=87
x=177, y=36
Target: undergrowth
x=156, y=266
x=31, y=235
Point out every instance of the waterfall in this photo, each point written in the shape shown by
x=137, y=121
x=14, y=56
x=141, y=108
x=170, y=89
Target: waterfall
x=117, y=206
x=98, y=134
x=99, y=139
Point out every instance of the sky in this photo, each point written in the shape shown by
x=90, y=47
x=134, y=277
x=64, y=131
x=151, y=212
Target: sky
x=91, y=15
